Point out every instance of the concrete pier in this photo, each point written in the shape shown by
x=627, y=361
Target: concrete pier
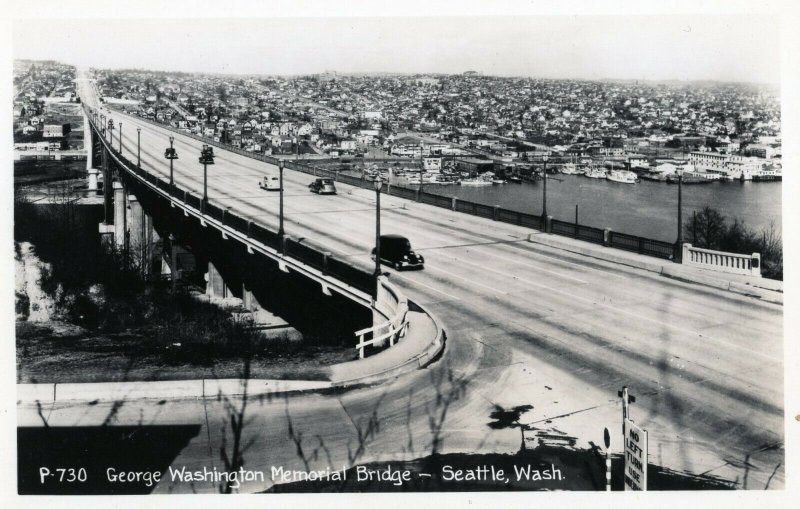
x=120, y=213
x=92, y=178
x=215, y=284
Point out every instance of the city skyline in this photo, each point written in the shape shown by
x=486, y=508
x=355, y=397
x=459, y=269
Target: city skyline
x=726, y=48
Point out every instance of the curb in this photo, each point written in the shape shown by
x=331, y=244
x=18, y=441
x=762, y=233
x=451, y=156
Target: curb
x=416, y=362
x=765, y=290
x=213, y=388
x=748, y=290
x=544, y=239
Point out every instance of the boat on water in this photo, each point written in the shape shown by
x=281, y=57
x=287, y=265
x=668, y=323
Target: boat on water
x=688, y=180
x=654, y=176
x=476, y=182
x=571, y=169
x=498, y=181
x=622, y=176
x=515, y=179
x=435, y=178
x=596, y=173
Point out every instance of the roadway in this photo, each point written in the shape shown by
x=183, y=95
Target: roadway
x=526, y=325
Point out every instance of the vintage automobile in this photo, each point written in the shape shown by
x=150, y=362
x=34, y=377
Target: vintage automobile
x=322, y=186
x=270, y=183
x=396, y=251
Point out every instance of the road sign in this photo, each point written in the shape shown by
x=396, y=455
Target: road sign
x=635, y=457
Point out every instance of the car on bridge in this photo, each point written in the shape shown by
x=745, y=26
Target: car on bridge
x=322, y=186
x=270, y=183
x=396, y=251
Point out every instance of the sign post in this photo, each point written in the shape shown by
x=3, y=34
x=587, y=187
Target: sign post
x=635, y=447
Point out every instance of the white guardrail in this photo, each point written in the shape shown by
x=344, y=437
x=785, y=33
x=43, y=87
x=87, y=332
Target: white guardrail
x=392, y=305
x=733, y=263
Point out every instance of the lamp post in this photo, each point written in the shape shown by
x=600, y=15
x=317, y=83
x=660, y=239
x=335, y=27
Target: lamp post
x=120, y=138
x=679, y=242
x=544, y=188
x=206, y=158
x=280, y=205
x=378, y=184
x=171, y=154
x=139, y=147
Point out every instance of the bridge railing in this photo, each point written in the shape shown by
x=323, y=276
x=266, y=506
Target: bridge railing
x=720, y=261
x=641, y=245
x=321, y=260
x=394, y=306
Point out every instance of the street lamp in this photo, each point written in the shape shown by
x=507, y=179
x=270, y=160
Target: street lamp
x=206, y=158
x=280, y=206
x=679, y=242
x=139, y=147
x=544, y=188
x=171, y=154
x=120, y=138
x=378, y=184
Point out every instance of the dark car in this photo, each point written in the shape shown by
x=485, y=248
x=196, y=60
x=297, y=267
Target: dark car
x=396, y=251
x=322, y=186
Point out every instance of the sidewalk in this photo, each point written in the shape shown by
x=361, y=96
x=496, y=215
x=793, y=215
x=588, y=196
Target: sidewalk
x=767, y=290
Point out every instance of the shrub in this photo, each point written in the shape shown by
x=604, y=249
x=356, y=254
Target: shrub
x=710, y=229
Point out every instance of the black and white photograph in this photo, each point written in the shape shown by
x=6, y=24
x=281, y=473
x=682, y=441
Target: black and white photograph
x=508, y=248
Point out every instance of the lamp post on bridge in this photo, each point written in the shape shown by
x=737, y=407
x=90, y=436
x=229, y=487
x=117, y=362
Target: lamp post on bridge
x=206, y=158
x=171, y=154
x=120, y=138
x=679, y=243
x=280, y=204
x=544, y=188
x=378, y=184
x=139, y=147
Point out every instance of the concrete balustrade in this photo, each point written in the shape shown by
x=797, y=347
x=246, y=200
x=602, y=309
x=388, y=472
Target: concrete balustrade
x=732, y=263
x=390, y=316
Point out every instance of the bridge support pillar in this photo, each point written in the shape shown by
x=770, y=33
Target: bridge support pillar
x=106, y=235
x=169, y=261
x=215, y=284
x=108, y=198
x=88, y=142
x=119, y=215
x=92, y=179
x=141, y=236
x=249, y=300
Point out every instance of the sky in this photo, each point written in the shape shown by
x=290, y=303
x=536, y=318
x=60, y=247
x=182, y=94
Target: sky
x=726, y=47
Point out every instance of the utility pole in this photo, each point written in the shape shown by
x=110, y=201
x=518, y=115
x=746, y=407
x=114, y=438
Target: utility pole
x=139, y=147
x=280, y=183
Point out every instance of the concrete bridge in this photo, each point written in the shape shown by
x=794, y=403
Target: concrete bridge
x=529, y=322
